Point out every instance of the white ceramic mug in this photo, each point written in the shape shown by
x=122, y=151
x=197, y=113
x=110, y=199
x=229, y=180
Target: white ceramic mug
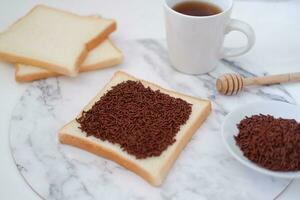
x=195, y=43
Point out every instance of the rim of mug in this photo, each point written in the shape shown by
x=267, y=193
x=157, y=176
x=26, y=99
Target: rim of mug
x=198, y=17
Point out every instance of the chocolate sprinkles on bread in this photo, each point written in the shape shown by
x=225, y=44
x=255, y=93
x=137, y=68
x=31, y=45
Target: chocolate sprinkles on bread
x=143, y=127
x=142, y=121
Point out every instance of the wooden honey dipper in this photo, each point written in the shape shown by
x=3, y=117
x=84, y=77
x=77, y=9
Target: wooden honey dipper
x=231, y=84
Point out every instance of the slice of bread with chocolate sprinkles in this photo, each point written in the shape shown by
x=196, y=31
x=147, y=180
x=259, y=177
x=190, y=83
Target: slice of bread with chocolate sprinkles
x=137, y=124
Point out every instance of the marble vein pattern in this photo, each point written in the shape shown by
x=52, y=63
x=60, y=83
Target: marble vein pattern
x=203, y=171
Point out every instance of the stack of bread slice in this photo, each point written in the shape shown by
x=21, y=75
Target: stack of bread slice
x=50, y=42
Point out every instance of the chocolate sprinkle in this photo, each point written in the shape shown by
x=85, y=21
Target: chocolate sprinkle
x=142, y=121
x=272, y=143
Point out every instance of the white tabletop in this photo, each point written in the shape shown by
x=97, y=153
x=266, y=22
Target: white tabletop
x=276, y=24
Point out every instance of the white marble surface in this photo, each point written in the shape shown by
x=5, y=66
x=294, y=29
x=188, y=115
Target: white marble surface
x=275, y=22
x=205, y=170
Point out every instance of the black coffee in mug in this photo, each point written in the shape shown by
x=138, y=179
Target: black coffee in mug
x=197, y=8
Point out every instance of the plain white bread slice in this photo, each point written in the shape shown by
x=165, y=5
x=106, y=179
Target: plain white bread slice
x=153, y=169
x=53, y=39
x=104, y=55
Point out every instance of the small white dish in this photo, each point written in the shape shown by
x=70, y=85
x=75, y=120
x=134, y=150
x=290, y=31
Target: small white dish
x=229, y=130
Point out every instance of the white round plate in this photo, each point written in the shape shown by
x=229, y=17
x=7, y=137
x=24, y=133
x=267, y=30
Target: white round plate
x=275, y=108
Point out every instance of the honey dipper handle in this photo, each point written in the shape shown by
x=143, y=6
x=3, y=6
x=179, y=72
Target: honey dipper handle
x=268, y=80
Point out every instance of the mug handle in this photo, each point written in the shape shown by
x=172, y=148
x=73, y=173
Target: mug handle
x=237, y=25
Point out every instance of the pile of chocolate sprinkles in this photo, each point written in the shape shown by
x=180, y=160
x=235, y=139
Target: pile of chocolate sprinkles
x=272, y=143
x=142, y=121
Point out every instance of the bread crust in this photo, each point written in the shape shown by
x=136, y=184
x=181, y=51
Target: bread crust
x=101, y=36
x=32, y=77
x=182, y=143
x=117, y=73
x=93, y=147
x=89, y=45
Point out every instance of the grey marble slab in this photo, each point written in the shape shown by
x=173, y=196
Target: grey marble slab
x=204, y=170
